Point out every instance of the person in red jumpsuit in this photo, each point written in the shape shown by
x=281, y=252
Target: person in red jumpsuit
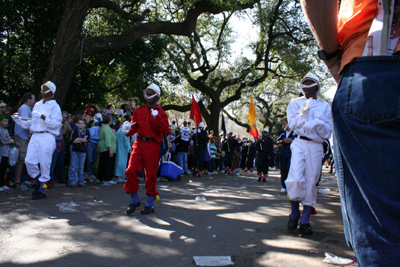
x=150, y=122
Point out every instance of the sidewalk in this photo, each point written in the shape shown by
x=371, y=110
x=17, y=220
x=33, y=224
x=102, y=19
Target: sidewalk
x=243, y=211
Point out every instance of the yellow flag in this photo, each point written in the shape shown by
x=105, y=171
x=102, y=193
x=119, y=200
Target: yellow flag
x=252, y=118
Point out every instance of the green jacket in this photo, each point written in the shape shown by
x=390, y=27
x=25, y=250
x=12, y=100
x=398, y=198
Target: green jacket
x=107, y=139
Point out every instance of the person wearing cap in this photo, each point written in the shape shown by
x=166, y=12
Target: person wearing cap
x=251, y=154
x=229, y=146
x=200, y=141
x=3, y=108
x=44, y=126
x=265, y=148
x=150, y=122
x=310, y=119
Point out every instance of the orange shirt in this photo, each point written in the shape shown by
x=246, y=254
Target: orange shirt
x=355, y=19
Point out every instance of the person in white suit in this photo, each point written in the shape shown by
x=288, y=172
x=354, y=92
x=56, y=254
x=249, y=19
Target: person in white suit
x=45, y=126
x=311, y=120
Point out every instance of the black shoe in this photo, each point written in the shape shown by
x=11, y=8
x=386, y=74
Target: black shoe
x=292, y=224
x=264, y=180
x=147, y=210
x=38, y=195
x=305, y=228
x=132, y=207
x=259, y=180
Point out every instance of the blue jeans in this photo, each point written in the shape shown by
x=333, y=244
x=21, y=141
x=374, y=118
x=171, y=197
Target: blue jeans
x=91, y=152
x=182, y=161
x=366, y=111
x=76, y=166
x=57, y=167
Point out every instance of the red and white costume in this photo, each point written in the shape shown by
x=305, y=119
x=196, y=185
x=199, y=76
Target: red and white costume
x=146, y=153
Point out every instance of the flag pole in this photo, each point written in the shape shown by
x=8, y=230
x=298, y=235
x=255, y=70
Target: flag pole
x=197, y=142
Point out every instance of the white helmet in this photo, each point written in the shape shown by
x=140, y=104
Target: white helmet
x=201, y=125
x=313, y=77
x=49, y=85
x=266, y=130
x=153, y=87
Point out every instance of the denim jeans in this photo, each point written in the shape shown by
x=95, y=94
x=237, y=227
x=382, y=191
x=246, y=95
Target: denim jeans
x=182, y=161
x=77, y=166
x=57, y=167
x=366, y=111
x=91, y=152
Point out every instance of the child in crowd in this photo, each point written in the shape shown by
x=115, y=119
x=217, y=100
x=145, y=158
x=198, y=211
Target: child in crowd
x=213, y=151
x=121, y=159
x=5, y=141
x=79, y=140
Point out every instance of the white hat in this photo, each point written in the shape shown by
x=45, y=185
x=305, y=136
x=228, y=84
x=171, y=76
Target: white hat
x=313, y=77
x=266, y=130
x=49, y=85
x=230, y=132
x=2, y=104
x=201, y=125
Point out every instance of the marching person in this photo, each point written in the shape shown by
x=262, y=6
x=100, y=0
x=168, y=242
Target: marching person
x=229, y=146
x=310, y=119
x=200, y=140
x=150, y=122
x=265, y=148
x=284, y=139
x=44, y=127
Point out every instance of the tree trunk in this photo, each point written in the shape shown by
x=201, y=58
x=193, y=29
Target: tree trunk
x=67, y=53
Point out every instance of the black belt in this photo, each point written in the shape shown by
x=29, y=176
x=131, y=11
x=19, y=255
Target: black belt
x=304, y=137
x=42, y=132
x=144, y=139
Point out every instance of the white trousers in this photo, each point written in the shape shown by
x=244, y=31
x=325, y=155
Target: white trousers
x=40, y=151
x=304, y=172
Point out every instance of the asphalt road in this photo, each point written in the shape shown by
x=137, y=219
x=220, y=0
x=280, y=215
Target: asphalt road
x=239, y=211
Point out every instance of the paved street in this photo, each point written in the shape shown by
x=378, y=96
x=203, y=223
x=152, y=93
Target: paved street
x=238, y=212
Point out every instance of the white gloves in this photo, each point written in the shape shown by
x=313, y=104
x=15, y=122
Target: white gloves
x=126, y=127
x=199, y=131
x=16, y=118
x=154, y=112
x=36, y=114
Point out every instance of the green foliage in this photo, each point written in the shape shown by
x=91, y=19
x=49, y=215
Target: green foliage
x=28, y=30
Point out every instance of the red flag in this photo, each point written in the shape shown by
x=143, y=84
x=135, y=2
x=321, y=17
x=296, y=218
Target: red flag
x=195, y=113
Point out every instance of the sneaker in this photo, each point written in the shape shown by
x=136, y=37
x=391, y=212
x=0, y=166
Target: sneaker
x=159, y=179
x=1, y=189
x=86, y=176
x=38, y=195
x=111, y=182
x=105, y=183
x=292, y=224
x=97, y=181
x=120, y=180
x=147, y=210
x=189, y=172
x=283, y=190
x=131, y=208
x=306, y=229
x=223, y=171
x=27, y=183
x=5, y=187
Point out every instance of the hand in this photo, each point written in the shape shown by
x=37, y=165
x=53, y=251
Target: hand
x=36, y=114
x=111, y=154
x=126, y=126
x=154, y=112
x=15, y=116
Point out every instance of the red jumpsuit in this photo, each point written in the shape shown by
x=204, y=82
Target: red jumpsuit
x=146, y=153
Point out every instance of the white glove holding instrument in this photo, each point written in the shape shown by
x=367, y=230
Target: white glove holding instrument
x=126, y=127
x=16, y=118
x=154, y=112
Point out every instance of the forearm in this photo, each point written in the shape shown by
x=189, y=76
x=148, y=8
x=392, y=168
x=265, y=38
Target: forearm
x=322, y=16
